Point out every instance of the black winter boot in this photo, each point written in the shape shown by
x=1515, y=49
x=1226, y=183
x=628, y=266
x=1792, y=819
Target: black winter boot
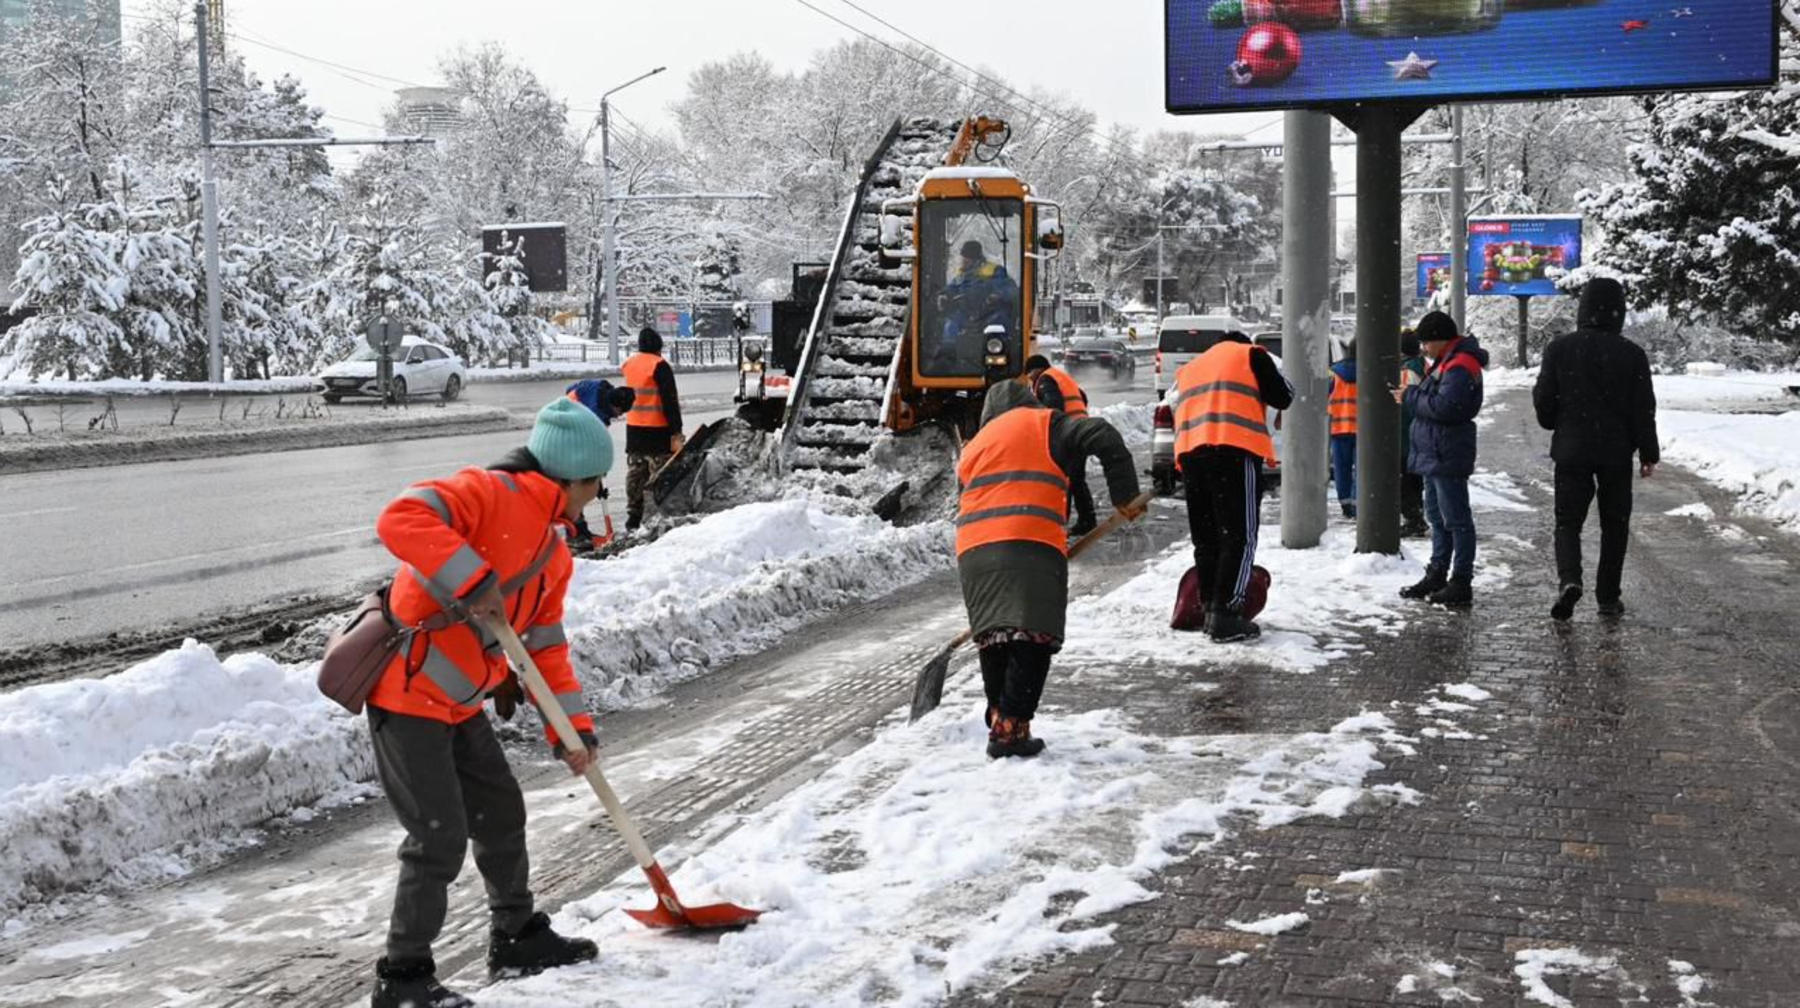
x=1434, y=580
x=1012, y=737
x=535, y=949
x=1565, y=602
x=1611, y=608
x=1456, y=594
x=412, y=984
x=1227, y=625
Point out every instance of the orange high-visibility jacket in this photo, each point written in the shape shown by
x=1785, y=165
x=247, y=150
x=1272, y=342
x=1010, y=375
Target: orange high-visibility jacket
x=1012, y=489
x=1342, y=406
x=1074, y=399
x=1218, y=402
x=640, y=373
x=454, y=536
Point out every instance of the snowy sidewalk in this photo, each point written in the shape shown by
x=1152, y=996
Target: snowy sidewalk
x=1585, y=815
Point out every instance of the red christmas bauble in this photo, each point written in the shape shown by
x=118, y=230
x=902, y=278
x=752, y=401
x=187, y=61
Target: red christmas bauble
x=1487, y=285
x=1492, y=274
x=1269, y=52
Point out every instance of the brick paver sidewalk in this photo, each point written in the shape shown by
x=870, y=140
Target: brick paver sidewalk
x=1631, y=793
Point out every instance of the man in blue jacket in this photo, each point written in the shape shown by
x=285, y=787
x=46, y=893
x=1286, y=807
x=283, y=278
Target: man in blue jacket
x=1443, y=405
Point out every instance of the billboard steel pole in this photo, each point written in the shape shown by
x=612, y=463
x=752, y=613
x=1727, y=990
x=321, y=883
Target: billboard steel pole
x=1459, y=221
x=1378, y=166
x=1306, y=244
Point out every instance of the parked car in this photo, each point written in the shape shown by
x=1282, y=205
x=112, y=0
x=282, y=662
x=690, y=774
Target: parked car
x=1181, y=338
x=1099, y=351
x=1270, y=340
x=419, y=368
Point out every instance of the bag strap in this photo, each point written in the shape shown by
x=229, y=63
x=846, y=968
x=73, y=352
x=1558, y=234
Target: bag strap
x=512, y=585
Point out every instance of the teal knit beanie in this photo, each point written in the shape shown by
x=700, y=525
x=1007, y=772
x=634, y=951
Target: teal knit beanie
x=570, y=442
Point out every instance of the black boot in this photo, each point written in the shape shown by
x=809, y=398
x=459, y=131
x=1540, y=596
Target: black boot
x=535, y=949
x=1433, y=581
x=1414, y=528
x=1348, y=507
x=412, y=984
x=1012, y=737
x=1457, y=594
x=1611, y=608
x=1227, y=625
x=1565, y=602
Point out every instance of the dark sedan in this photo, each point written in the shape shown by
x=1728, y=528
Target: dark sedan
x=1099, y=351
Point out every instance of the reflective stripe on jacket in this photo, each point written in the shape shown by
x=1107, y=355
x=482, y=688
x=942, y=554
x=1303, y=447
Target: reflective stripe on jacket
x=454, y=537
x=1342, y=406
x=1012, y=489
x=1218, y=402
x=1074, y=399
x=639, y=372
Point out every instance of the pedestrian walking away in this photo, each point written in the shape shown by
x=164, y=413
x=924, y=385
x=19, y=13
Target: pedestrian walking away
x=1412, y=485
x=1012, y=548
x=1442, y=450
x=459, y=541
x=1222, y=398
x=1342, y=407
x=1595, y=394
x=653, y=424
x=1057, y=390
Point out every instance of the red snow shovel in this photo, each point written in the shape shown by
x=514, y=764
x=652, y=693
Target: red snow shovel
x=669, y=912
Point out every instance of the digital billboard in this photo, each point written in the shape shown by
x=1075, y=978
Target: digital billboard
x=1236, y=55
x=1434, y=273
x=1522, y=255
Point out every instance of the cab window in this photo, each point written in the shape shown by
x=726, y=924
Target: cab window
x=972, y=258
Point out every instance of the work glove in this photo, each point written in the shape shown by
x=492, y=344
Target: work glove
x=507, y=696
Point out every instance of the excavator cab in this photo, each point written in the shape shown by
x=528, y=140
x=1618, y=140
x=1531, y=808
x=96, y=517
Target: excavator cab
x=976, y=239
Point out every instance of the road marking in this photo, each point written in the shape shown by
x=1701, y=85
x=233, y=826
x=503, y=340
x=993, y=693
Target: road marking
x=145, y=564
x=39, y=511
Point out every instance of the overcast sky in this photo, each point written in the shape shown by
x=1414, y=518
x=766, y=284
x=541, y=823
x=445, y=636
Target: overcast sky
x=1108, y=56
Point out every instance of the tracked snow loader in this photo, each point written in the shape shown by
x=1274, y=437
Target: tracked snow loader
x=926, y=302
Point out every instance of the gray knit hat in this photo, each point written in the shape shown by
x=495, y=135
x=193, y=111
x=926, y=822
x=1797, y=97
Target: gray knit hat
x=570, y=442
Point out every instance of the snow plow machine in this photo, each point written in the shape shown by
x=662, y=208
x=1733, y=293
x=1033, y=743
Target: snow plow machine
x=927, y=302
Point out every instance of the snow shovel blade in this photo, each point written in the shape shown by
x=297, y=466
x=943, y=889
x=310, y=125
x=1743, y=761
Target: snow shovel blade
x=669, y=912
x=928, y=689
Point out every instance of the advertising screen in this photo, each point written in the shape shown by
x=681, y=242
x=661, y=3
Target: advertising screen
x=1434, y=273
x=1522, y=255
x=1233, y=55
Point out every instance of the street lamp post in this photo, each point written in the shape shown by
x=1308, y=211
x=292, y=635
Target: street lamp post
x=612, y=217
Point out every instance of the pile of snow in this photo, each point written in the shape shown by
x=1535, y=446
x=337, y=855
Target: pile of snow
x=732, y=585
x=121, y=779
x=1728, y=391
x=917, y=867
x=139, y=775
x=1753, y=455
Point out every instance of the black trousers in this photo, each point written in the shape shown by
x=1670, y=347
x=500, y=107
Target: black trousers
x=1412, y=498
x=1224, y=505
x=1013, y=675
x=1576, y=488
x=449, y=785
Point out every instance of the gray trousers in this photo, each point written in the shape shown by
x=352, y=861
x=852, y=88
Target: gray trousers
x=449, y=785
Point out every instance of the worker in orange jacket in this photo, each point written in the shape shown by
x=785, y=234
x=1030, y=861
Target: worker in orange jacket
x=652, y=425
x=481, y=545
x=1012, y=549
x=1222, y=398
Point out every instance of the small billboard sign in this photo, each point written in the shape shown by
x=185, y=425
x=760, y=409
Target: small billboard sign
x=1434, y=274
x=546, y=249
x=1522, y=255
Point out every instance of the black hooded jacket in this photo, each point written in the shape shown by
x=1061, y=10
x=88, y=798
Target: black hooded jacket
x=1594, y=389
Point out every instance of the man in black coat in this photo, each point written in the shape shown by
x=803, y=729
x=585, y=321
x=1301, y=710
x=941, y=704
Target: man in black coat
x=1594, y=392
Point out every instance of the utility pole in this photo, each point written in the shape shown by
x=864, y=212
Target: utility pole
x=1459, y=224
x=1306, y=254
x=209, y=207
x=609, y=237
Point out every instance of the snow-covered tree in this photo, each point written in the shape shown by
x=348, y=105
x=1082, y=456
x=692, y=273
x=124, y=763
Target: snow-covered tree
x=1709, y=224
x=70, y=277
x=509, y=289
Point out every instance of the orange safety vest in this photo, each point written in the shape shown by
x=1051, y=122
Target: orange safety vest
x=640, y=373
x=1012, y=489
x=1217, y=402
x=452, y=537
x=1342, y=406
x=1074, y=399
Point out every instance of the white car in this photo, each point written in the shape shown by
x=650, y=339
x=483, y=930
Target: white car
x=420, y=368
x=1184, y=337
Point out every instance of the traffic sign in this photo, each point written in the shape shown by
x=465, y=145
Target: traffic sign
x=384, y=335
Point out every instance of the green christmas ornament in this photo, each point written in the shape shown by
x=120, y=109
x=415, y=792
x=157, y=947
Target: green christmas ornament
x=1226, y=14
